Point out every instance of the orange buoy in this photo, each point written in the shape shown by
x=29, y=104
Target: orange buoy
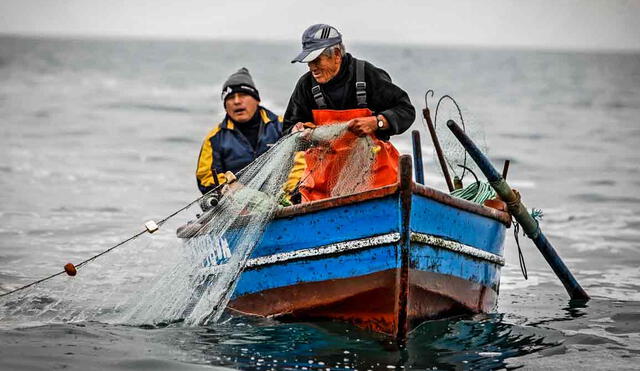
x=70, y=269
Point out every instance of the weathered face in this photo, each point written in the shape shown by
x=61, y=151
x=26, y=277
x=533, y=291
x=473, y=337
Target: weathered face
x=241, y=107
x=325, y=68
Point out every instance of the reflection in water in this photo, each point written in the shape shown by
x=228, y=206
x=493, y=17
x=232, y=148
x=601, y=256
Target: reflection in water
x=575, y=309
x=472, y=342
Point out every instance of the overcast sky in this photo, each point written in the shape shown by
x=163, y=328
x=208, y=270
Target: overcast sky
x=555, y=24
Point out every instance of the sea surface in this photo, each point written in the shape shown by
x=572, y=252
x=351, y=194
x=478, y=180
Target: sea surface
x=98, y=136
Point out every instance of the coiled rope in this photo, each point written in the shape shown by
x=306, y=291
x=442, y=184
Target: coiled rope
x=477, y=192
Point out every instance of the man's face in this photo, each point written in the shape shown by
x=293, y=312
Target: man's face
x=325, y=68
x=241, y=107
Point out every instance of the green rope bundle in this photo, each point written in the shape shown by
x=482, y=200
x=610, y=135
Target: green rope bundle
x=477, y=192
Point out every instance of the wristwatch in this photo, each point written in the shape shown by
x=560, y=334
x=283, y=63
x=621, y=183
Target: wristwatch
x=380, y=122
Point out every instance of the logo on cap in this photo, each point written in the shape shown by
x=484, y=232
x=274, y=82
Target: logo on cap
x=315, y=39
x=226, y=92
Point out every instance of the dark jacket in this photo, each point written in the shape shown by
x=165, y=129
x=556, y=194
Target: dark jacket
x=383, y=97
x=225, y=148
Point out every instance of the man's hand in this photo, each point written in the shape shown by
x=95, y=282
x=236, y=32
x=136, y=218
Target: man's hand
x=305, y=127
x=363, y=125
x=297, y=127
x=230, y=188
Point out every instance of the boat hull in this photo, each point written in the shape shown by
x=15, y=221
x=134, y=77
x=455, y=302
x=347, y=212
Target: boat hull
x=385, y=260
x=369, y=301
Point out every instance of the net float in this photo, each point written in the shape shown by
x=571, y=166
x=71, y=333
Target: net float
x=70, y=269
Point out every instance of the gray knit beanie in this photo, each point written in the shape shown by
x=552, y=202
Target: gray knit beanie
x=240, y=82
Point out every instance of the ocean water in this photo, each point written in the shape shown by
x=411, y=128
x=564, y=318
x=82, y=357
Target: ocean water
x=98, y=136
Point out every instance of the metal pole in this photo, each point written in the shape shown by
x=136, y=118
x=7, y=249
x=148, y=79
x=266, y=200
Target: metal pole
x=417, y=157
x=519, y=211
x=505, y=169
x=436, y=144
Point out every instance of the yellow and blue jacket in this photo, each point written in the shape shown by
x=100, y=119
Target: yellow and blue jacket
x=225, y=148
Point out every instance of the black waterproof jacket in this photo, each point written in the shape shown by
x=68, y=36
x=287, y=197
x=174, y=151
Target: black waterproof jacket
x=383, y=97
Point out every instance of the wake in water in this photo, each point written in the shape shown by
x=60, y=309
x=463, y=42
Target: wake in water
x=168, y=281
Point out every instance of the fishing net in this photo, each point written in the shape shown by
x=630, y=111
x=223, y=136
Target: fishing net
x=160, y=279
x=456, y=157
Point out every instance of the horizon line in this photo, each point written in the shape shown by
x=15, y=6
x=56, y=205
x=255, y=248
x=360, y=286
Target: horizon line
x=430, y=45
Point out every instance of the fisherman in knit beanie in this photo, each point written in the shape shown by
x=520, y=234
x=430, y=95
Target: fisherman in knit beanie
x=247, y=131
x=240, y=82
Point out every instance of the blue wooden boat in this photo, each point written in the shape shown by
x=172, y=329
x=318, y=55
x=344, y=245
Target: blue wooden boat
x=385, y=260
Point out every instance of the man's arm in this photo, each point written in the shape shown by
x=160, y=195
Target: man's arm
x=390, y=101
x=299, y=108
x=208, y=160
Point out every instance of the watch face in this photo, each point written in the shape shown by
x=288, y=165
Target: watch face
x=380, y=124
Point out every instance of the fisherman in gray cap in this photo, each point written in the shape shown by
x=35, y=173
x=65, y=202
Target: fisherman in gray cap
x=341, y=88
x=247, y=131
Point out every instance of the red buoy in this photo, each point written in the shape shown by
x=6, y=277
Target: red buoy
x=70, y=269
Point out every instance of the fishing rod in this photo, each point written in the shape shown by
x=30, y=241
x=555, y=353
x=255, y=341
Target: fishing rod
x=520, y=213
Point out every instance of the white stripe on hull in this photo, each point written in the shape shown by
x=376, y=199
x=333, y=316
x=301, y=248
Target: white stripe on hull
x=334, y=248
x=458, y=247
x=340, y=247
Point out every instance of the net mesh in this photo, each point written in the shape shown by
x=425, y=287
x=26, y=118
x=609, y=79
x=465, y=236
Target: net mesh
x=454, y=153
x=161, y=279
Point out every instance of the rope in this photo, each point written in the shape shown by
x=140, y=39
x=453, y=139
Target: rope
x=159, y=223
x=523, y=266
x=32, y=283
x=477, y=192
x=513, y=205
x=84, y=262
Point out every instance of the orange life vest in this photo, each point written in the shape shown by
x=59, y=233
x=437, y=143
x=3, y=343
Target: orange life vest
x=324, y=165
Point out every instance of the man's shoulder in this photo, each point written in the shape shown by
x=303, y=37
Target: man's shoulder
x=304, y=81
x=269, y=116
x=373, y=71
x=302, y=90
x=215, y=131
x=213, y=136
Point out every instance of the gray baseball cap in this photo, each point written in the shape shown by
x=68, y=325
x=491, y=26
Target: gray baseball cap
x=315, y=40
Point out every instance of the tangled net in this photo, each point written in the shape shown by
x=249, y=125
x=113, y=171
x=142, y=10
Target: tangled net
x=163, y=280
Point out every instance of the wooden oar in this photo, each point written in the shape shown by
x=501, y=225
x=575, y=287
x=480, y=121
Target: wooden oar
x=520, y=213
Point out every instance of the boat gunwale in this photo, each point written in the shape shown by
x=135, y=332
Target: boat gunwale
x=416, y=188
x=380, y=192
x=459, y=203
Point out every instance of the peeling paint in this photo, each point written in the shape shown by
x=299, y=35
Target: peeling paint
x=471, y=251
x=335, y=248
